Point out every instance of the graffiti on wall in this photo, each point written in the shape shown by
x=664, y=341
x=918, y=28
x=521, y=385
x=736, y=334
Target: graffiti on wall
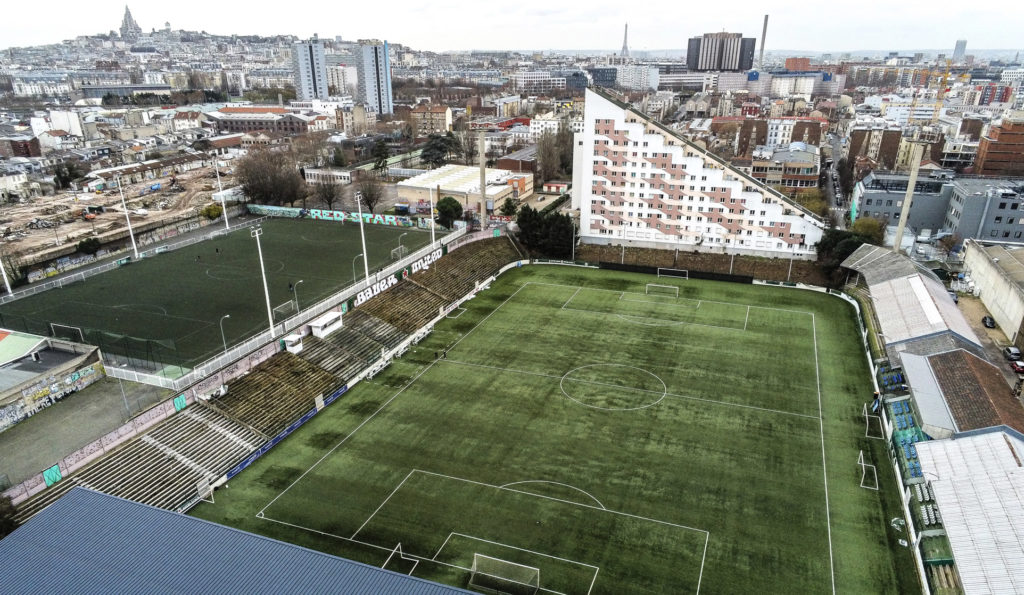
x=47, y=391
x=340, y=216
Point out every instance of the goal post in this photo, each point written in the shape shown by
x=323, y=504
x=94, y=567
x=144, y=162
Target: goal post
x=877, y=422
x=284, y=310
x=677, y=273
x=494, y=575
x=67, y=331
x=399, y=252
x=655, y=289
x=868, y=473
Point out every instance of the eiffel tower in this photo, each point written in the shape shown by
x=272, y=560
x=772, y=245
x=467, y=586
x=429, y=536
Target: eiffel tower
x=625, y=44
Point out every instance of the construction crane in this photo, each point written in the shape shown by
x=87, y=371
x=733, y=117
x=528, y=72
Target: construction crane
x=941, y=93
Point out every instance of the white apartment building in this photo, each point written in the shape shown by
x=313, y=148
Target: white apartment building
x=549, y=122
x=1012, y=77
x=536, y=81
x=637, y=182
x=780, y=132
x=637, y=77
x=309, y=70
x=374, y=72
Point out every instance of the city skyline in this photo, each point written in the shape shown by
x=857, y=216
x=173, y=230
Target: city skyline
x=664, y=25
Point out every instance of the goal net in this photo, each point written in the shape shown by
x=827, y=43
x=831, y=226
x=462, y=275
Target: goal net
x=64, y=331
x=399, y=252
x=868, y=473
x=655, y=289
x=284, y=310
x=493, y=575
x=677, y=273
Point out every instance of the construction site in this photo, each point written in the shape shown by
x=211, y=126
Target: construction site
x=43, y=228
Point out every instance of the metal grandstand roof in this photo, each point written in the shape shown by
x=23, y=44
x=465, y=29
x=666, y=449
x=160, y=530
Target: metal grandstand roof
x=89, y=542
x=979, y=488
x=910, y=302
x=879, y=264
x=935, y=418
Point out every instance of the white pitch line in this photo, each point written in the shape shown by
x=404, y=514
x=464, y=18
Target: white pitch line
x=393, y=492
x=746, y=319
x=571, y=298
x=571, y=487
x=700, y=577
x=824, y=467
x=383, y=406
x=594, y=382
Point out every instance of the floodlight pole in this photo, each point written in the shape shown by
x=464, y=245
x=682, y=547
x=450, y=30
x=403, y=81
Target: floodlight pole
x=295, y=290
x=124, y=205
x=7, y=282
x=431, y=216
x=256, y=232
x=573, y=221
x=354, y=267
x=222, y=336
x=220, y=190
x=362, y=235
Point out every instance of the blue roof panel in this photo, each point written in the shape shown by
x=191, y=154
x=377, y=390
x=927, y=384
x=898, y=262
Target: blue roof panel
x=88, y=542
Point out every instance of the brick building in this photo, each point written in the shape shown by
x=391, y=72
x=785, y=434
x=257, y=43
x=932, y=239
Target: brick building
x=20, y=145
x=1001, y=151
x=428, y=118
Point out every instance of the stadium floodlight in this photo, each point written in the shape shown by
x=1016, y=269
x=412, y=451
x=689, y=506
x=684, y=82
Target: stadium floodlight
x=222, y=336
x=7, y=282
x=431, y=216
x=354, y=267
x=362, y=235
x=295, y=290
x=131, y=234
x=256, y=232
x=220, y=190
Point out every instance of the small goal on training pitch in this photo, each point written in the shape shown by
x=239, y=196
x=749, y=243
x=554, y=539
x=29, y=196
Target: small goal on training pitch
x=677, y=273
x=494, y=575
x=399, y=252
x=284, y=310
x=655, y=289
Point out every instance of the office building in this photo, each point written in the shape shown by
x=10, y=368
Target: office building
x=374, y=71
x=959, y=51
x=720, y=51
x=1001, y=151
x=309, y=69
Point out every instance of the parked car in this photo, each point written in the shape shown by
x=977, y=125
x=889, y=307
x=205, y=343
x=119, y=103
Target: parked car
x=988, y=321
x=1011, y=353
x=952, y=294
x=1017, y=367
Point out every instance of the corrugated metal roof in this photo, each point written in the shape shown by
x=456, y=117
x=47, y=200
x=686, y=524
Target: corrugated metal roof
x=979, y=488
x=917, y=306
x=89, y=542
x=935, y=417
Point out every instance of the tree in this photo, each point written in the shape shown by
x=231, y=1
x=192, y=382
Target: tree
x=508, y=208
x=311, y=148
x=7, y=522
x=845, y=169
x=381, y=153
x=434, y=153
x=871, y=230
x=452, y=146
x=327, y=192
x=550, y=234
x=548, y=158
x=948, y=243
x=68, y=172
x=448, y=210
x=89, y=246
x=270, y=177
x=338, y=158
x=372, y=191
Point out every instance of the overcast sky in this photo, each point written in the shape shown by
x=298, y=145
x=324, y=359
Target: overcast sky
x=532, y=24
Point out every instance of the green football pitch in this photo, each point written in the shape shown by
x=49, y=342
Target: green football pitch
x=167, y=308
x=617, y=440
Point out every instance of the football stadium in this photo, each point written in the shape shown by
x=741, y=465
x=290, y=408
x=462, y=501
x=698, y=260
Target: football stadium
x=477, y=419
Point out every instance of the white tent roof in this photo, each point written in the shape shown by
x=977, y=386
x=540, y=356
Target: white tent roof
x=979, y=488
x=935, y=417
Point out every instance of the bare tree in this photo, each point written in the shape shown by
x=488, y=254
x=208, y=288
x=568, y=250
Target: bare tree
x=270, y=177
x=372, y=190
x=469, y=141
x=311, y=148
x=327, y=192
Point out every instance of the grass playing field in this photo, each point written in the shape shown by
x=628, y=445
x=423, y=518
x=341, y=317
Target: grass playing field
x=618, y=441
x=172, y=303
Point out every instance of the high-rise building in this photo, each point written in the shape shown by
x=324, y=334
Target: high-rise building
x=1001, y=151
x=625, y=42
x=640, y=183
x=960, y=50
x=130, y=30
x=720, y=51
x=309, y=69
x=374, y=71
